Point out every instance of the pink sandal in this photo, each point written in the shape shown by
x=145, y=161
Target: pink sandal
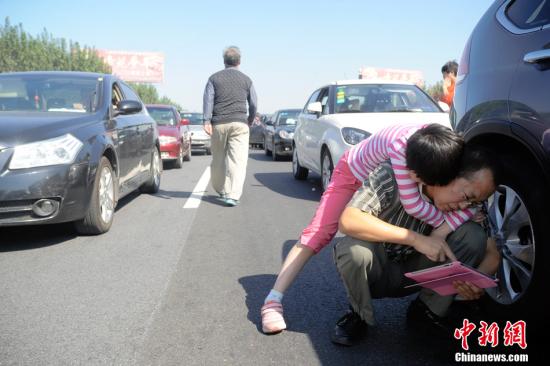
x=272, y=318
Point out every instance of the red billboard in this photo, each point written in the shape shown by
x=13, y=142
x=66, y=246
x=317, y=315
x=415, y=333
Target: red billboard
x=145, y=67
x=373, y=73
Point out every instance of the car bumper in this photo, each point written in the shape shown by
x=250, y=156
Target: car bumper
x=200, y=143
x=20, y=190
x=283, y=147
x=169, y=151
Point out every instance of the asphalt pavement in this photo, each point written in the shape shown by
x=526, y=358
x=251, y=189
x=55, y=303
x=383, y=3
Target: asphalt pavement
x=169, y=285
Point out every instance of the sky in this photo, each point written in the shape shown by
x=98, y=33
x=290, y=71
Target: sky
x=289, y=47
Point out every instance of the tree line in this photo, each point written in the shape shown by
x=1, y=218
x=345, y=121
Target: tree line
x=21, y=51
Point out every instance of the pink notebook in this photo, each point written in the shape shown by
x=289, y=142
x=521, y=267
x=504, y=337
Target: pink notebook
x=440, y=278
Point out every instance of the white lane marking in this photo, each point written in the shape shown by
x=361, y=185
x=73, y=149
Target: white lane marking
x=194, y=200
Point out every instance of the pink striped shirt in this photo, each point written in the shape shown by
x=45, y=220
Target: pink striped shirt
x=391, y=143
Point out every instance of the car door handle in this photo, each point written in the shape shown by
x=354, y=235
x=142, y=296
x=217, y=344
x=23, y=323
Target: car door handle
x=537, y=56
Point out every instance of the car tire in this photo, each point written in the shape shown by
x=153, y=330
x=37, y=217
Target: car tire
x=266, y=150
x=179, y=161
x=518, y=214
x=99, y=216
x=153, y=184
x=188, y=156
x=327, y=167
x=274, y=154
x=298, y=171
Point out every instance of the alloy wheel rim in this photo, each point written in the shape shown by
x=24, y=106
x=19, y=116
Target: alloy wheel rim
x=156, y=167
x=106, y=195
x=513, y=230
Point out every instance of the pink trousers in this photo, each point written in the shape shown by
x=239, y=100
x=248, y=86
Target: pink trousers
x=324, y=224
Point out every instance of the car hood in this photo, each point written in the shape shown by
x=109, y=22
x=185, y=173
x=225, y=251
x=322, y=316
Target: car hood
x=194, y=128
x=199, y=133
x=20, y=128
x=287, y=128
x=372, y=122
x=168, y=130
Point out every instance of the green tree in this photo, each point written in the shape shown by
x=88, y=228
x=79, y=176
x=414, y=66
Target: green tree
x=435, y=91
x=20, y=51
x=149, y=95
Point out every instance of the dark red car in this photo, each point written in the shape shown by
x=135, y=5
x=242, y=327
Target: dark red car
x=174, y=134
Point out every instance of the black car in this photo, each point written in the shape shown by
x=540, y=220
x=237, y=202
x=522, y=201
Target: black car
x=502, y=100
x=71, y=145
x=279, y=131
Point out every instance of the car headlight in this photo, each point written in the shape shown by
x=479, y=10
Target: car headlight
x=354, y=136
x=286, y=135
x=56, y=151
x=167, y=140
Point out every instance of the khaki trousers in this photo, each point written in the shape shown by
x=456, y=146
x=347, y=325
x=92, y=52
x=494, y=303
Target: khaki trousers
x=229, y=158
x=367, y=273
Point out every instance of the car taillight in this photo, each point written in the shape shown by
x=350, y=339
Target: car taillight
x=464, y=65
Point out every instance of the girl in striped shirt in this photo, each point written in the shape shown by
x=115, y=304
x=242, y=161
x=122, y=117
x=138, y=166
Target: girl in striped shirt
x=421, y=154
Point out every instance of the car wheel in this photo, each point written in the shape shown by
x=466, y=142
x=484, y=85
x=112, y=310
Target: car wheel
x=326, y=169
x=179, y=161
x=518, y=216
x=298, y=171
x=188, y=156
x=274, y=154
x=100, y=214
x=153, y=184
x=267, y=151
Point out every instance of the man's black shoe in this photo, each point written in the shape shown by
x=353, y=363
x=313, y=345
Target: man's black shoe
x=349, y=330
x=420, y=317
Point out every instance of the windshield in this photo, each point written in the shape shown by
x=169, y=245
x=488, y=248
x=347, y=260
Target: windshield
x=194, y=118
x=49, y=93
x=381, y=98
x=288, y=117
x=163, y=116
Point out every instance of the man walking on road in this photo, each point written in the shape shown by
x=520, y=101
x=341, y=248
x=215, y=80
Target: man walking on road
x=225, y=119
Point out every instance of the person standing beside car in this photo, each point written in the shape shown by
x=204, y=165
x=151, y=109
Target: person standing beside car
x=449, y=71
x=225, y=99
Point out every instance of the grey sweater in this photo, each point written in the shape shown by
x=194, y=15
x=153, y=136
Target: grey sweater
x=226, y=95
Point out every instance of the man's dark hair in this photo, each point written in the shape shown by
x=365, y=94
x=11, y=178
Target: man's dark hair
x=476, y=158
x=434, y=153
x=450, y=67
x=232, y=56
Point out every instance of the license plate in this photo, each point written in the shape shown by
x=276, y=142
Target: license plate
x=164, y=155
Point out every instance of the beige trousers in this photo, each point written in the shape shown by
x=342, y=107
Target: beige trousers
x=229, y=158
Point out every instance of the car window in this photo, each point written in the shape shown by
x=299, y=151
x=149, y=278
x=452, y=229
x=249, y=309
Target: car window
x=162, y=115
x=312, y=99
x=529, y=14
x=287, y=117
x=39, y=93
x=129, y=93
x=194, y=118
x=379, y=98
x=116, y=96
x=323, y=98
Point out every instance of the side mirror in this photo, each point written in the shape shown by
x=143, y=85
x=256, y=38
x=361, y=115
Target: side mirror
x=444, y=106
x=128, y=107
x=184, y=122
x=269, y=123
x=315, y=107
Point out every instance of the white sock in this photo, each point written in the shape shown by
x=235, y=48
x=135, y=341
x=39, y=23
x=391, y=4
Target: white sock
x=274, y=295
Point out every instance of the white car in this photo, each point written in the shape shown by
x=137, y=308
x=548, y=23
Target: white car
x=200, y=140
x=340, y=115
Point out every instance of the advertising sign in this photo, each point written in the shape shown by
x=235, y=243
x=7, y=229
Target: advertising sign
x=411, y=76
x=147, y=67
